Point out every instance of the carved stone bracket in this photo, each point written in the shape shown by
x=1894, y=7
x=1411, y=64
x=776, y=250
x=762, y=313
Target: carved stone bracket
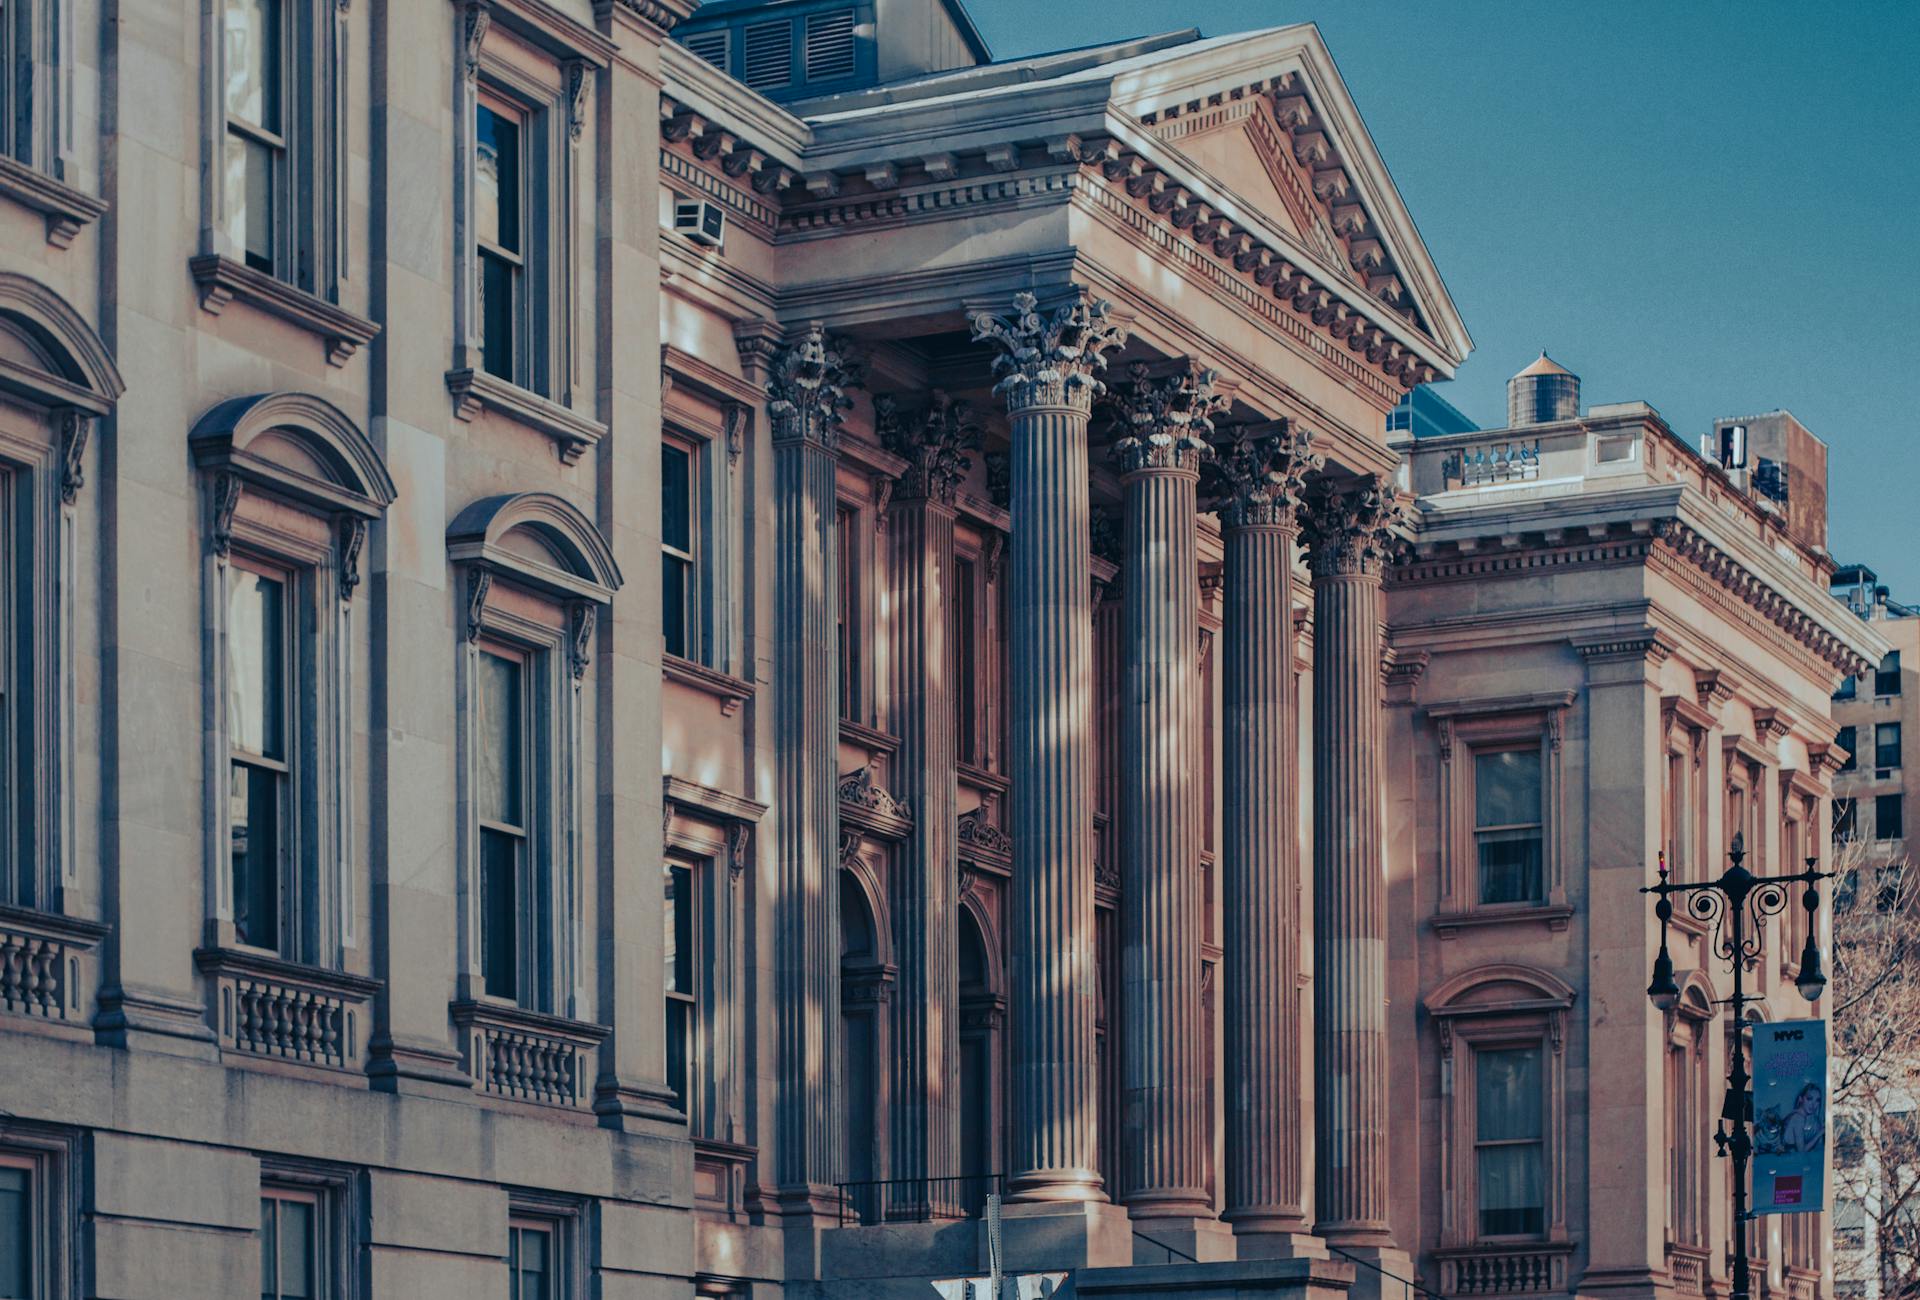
x=75, y=428
x=581, y=620
x=1261, y=478
x=579, y=90
x=226, y=500
x=807, y=391
x=479, y=583
x=859, y=791
x=1165, y=423
x=475, y=18
x=1049, y=359
x=1353, y=526
x=351, y=539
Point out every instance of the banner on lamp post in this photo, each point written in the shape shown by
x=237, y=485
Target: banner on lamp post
x=1789, y=1117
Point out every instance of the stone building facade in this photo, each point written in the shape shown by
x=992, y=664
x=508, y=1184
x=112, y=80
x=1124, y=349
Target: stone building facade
x=639, y=666
x=1876, y=789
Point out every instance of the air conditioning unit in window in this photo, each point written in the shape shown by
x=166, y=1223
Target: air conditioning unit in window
x=701, y=221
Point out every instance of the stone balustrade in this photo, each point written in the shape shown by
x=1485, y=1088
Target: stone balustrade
x=41, y=957
x=527, y=1056
x=264, y=1006
x=1688, y=1265
x=1503, y=1270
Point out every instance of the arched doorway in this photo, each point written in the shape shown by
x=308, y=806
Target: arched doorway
x=865, y=981
x=982, y=1009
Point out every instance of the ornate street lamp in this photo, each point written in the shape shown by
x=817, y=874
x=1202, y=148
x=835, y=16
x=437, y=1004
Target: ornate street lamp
x=1736, y=903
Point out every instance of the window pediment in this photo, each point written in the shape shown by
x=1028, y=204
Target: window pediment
x=1501, y=989
x=59, y=360
x=298, y=446
x=539, y=541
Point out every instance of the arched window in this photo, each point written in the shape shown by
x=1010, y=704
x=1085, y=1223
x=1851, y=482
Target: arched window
x=1690, y=1110
x=866, y=986
x=983, y=1010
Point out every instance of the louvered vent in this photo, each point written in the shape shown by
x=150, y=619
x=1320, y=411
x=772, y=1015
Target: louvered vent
x=769, y=55
x=711, y=46
x=830, y=45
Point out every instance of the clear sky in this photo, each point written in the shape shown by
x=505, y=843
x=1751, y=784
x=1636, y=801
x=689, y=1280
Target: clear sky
x=1708, y=206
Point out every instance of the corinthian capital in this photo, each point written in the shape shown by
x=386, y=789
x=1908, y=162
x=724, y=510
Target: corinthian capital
x=934, y=442
x=1165, y=423
x=1351, y=526
x=1049, y=359
x=1262, y=478
x=808, y=389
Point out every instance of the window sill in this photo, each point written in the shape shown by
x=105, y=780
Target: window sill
x=222, y=280
x=880, y=743
x=38, y=962
x=731, y=691
x=476, y=390
x=66, y=209
x=267, y=1006
x=524, y=1055
x=1553, y=915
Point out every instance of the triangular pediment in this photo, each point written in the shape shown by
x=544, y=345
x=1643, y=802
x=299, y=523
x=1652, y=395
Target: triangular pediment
x=1239, y=145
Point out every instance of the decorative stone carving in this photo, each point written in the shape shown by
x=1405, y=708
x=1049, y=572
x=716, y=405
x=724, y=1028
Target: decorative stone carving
x=999, y=478
x=858, y=788
x=735, y=419
x=352, y=540
x=1103, y=534
x=479, y=583
x=581, y=621
x=934, y=441
x=1259, y=479
x=807, y=393
x=475, y=18
x=993, y=550
x=1165, y=423
x=1049, y=359
x=579, y=88
x=1352, y=527
x=226, y=500
x=75, y=427
x=978, y=835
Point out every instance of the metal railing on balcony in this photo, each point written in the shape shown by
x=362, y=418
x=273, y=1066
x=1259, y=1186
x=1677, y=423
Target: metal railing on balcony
x=917, y=1200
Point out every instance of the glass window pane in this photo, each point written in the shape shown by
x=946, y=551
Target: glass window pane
x=254, y=817
x=500, y=913
x=675, y=579
x=1506, y=787
x=248, y=182
x=679, y=1028
x=1512, y=1191
x=296, y=1250
x=253, y=61
x=496, y=179
x=499, y=291
x=676, y=498
x=1510, y=866
x=1507, y=1089
x=269, y=1250
x=499, y=726
x=679, y=929
x=16, y=1232
x=256, y=663
x=532, y=1265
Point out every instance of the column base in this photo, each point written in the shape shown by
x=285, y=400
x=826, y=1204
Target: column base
x=1165, y=1241
x=1379, y=1272
x=1052, y=1236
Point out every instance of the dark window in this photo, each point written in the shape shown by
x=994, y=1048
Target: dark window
x=1507, y=826
x=966, y=662
x=678, y=614
x=1886, y=678
x=767, y=62
x=679, y=977
x=501, y=730
x=1889, y=821
x=1845, y=814
x=1886, y=744
x=532, y=1268
x=1509, y=1141
x=1849, y=740
x=290, y=1256
x=254, y=177
x=1849, y=1147
x=830, y=45
x=259, y=796
x=499, y=198
x=17, y=1243
x=847, y=616
x=1846, y=689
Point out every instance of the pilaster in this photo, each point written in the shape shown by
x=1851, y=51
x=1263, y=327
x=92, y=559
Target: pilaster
x=1048, y=365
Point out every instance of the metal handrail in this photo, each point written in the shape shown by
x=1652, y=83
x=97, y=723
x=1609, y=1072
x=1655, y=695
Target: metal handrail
x=917, y=1200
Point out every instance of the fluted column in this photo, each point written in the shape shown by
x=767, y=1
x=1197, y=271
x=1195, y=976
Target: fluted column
x=924, y=880
x=1047, y=364
x=1163, y=1078
x=1258, y=482
x=1348, y=529
x=807, y=396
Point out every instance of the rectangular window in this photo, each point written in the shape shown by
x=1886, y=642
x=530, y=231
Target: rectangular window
x=1510, y=1141
x=966, y=662
x=19, y=1272
x=258, y=680
x=1886, y=744
x=1889, y=818
x=1886, y=678
x=846, y=617
x=502, y=732
x=1846, y=689
x=293, y=1257
x=679, y=608
x=1849, y=740
x=533, y=1263
x=681, y=1003
x=1845, y=812
x=499, y=203
x=255, y=172
x=1507, y=825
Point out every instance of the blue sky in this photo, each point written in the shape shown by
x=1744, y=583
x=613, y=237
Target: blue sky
x=1707, y=206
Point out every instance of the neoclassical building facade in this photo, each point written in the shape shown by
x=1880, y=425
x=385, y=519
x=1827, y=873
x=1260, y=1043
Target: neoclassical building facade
x=650, y=652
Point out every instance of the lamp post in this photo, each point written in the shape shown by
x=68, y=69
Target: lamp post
x=1737, y=905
